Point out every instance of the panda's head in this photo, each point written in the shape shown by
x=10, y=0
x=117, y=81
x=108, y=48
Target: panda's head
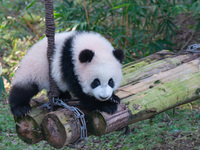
x=97, y=65
x=100, y=77
x=99, y=70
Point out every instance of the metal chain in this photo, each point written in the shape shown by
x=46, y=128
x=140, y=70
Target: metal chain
x=46, y=105
x=79, y=115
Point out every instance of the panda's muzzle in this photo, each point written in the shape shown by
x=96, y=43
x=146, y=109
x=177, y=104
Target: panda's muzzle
x=104, y=98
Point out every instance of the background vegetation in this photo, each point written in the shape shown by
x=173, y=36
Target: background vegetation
x=139, y=27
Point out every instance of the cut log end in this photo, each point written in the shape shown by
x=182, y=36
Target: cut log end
x=60, y=128
x=54, y=130
x=100, y=123
x=97, y=123
x=28, y=128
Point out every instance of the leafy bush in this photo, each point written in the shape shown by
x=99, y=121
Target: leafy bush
x=139, y=27
x=19, y=19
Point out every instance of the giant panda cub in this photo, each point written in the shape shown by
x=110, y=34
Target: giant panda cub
x=84, y=64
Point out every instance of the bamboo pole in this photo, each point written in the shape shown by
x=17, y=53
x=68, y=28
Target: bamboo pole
x=163, y=97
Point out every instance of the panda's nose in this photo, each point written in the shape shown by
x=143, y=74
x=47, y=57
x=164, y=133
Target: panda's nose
x=103, y=97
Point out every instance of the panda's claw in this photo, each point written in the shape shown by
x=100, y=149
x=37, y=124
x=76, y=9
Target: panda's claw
x=115, y=99
x=27, y=113
x=117, y=102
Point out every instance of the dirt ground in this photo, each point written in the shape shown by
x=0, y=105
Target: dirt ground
x=186, y=35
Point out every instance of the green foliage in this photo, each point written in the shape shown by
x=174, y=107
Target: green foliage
x=17, y=19
x=195, y=9
x=139, y=27
x=2, y=88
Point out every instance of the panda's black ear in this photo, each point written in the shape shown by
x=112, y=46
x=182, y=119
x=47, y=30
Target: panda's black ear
x=86, y=56
x=119, y=54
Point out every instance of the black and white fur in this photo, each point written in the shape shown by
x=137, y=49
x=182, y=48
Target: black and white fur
x=84, y=64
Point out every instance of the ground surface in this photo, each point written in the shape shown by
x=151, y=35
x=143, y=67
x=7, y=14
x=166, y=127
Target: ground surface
x=186, y=35
x=165, y=131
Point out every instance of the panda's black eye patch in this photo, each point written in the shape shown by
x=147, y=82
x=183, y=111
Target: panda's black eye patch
x=111, y=83
x=95, y=83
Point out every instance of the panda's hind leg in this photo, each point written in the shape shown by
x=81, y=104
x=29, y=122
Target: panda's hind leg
x=20, y=97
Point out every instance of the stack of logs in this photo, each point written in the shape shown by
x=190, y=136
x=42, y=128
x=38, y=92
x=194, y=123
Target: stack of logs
x=150, y=86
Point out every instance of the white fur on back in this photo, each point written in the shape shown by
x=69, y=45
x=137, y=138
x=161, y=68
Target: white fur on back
x=34, y=66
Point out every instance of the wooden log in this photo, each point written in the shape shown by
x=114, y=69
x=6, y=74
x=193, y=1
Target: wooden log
x=133, y=73
x=159, y=78
x=60, y=128
x=163, y=97
x=149, y=103
x=35, y=102
x=150, y=59
x=28, y=128
x=100, y=123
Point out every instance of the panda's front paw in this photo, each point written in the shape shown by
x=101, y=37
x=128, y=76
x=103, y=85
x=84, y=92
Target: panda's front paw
x=109, y=108
x=20, y=111
x=115, y=99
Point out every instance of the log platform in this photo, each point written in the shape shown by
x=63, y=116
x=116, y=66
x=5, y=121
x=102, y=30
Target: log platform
x=150, y=86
